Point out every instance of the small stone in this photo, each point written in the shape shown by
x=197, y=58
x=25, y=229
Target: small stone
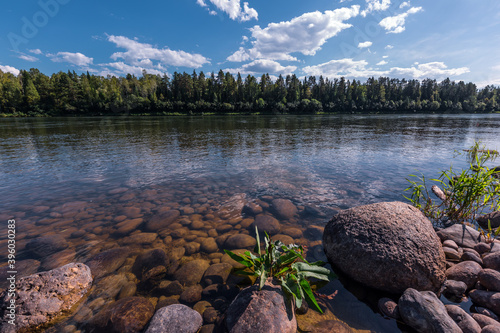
x=284, y=209
x=491, y=329
x=191, y=294
x=217, y=274
x=451, y=244
x=287, y=240
x=486, y=312
x=175, y=318
x=469, y=256
x=162, y=220
x=293, y=232
x=45, y=246
x=451, y=254
x=483, y=320
x=487, y=299
x=108, y=261
x=209, y=245
x=173, y=288
x=210, y=316
x=482, y=248
x=314, y=232
x=388, y=308
x=240, y=241
x=252, y=208
x=140, y=238
x=492, y=261
x=192, y=248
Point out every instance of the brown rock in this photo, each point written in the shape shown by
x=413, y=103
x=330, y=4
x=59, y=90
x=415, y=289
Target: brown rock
x=108, y=261
x=191, y=294
x=466, y=271
x=191, y=273
x=388, y=308
x=217, y=273
x=240, y=241
x=58, y=259
x=266, y=223
x=162, y=220
x=293, y=232
x=492, y=261
x=127, y=226
x=483, y=320
x=284, y=209
x=466, y=323
x=209, y=245
x=493, y=217
x=491, y=329
x=462, y=235
x=393, y=245
x=329, y=326
x=490, y=279
x=45, y=246
x=487, y=299
x=175, y=318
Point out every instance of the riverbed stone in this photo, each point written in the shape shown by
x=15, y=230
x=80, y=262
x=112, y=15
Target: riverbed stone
x=127, y=315
x=209, y=245
x=109, y=286
x=217, y=273
x=465, y=271
x=424, y=312
x=461, y=234
x=451, y=244
x=284, y=208
x=482, y=247
x=191, y=272
x=191, y=294
x=175, y=318
x=148, y=261
x=251, y=208
x=490, y=279
x=261, y=311
x=240, y=241
x=492, y=261
x=266, y=223
x=42, y=247
x=127, y=226
x=293, y=232
x=58, y=259
x=451, y=254
x=493, y=217
x=487, y=299
x=470, y=256
x=389, y=246
x=42, y=297
x=24, y=268
x=486, y=312
x=108, y=261
x=464, y=320
x=329, y=326
x=484, y=321
x=140, y=238
x=162, y=220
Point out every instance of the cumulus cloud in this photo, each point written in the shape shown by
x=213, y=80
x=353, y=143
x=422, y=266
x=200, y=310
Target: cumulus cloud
x=305, y=34
x=141, y=54
x=77, y=58
x=9, y=69
x=263, y=66
x=365, y=45
x=396, y=24
x=27, y=57
x=375, y=5
x=404, y=4
x=233, y=8
x=381, y=63
x=358, y=69
x=35, y=51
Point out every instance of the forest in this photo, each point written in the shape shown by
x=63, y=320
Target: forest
x=32, y=93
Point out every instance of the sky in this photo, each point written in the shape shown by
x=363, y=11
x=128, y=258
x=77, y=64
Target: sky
x=357, y=39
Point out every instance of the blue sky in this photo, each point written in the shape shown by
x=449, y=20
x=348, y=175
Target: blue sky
x=417, y=39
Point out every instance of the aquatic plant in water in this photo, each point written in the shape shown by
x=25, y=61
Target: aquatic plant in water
x=463, y=196
x=286, y=264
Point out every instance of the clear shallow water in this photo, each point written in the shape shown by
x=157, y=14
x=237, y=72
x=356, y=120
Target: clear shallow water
x=327, y=162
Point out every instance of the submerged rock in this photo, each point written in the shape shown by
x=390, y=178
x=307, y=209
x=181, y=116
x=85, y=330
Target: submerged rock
x=284, y=208
x=108, y=261
x=42, y=247
x=192, y=272
x=41, y=297
x=268, y=224
x=389, y=246
x=162, y=220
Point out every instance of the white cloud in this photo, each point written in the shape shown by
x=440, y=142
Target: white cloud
x=365, y=45
x=263, y=66
x=77, y=58
x=385, y=57
x=395, y=24
x=232, y=8
x=358, y=69
x=27, y=57
x=138, y=54
x=9, y=69
x=381, y=63
x=305, y=34
x=375, y=5
x=404, y=4
x=389, y=47
x=35, y=51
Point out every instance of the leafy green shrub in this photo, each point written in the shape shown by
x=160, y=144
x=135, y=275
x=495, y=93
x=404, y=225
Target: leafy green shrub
x=287, y=265
x=464, y=195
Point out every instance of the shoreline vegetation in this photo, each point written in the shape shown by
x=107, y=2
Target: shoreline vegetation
x=34, y=94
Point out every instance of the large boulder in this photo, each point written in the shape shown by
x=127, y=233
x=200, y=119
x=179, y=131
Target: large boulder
x=41, y=297
x=424, y=312
x=175, y=318
x=389, y=246
x=261, y=311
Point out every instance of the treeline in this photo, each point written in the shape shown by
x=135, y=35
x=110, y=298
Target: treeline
x=32, y=93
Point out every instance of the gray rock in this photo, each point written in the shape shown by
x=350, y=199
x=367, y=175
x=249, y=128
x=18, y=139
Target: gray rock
x=393, y=245
x=469, y=256
x=192, y=272
x=462, y=235
x=268, y=224
x=261, y=311
x=284, y=209
x=482, y=247
x=487, y=299
x=466, y=271
x=175, y=318
x=108, y=261
x=493, y=217
x=44, y=246
x=425, y=313
x=490, y=279
x=42, y=297
x=466, y=323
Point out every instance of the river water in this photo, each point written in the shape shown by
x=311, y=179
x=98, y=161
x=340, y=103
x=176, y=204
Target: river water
x=80, y=177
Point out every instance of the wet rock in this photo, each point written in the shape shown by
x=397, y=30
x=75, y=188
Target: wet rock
x=454, y=289
x=209, y=245
x=108, y=261
x=240, y=241
x=131, y=212
x=492, y=261
x=252, y=208
x=312, y=210
x=127, y=315
x=328, y=326
x=255, y=311
x=266, y=223
x=207, y=328
x=493, y=217
x=314, y=232
x=490, y=279
x=483, y=320
x=284, y=209
x=210, y=315
x=128, y=290
x=465, y=271
x=162, y=220
x=173, y=288
x=233, y=207
x=140, y=238
x=191, y=273
x=388, y=308
x=287, y=240
x=293, y=232
x=42, y=297
x=466, y=323
x=127, y=226
x=451, y=244
x=217, y=273
x=23, y=268
x=461, y=234
x=44, y=246
x=223, y=228
x=191, y=294
x=149, y=260
x=58, y=259
x=393, y=245
x=424, y=312
x=175, y=318
x=109, y=286
x=487, y=299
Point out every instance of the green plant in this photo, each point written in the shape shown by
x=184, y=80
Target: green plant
x=287, y=265
x=489, y=235
x=464, y=195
